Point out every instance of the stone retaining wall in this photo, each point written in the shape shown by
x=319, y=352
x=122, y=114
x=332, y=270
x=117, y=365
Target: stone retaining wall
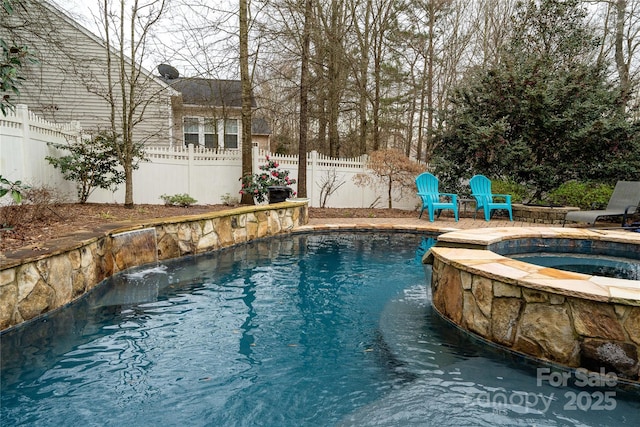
x=572, y=319
x=34, y=283
x=571, y=331
x=540, y=214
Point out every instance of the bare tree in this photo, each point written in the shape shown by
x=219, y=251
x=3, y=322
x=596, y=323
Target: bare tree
x=330, y=38
x=328, y=185
x=126, y=33
x=619, y=22
x=392, y=169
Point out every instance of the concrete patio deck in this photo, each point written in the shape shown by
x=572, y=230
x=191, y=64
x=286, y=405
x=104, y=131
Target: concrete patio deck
x=443, y=224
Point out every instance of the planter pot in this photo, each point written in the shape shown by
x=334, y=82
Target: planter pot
x=279, y=194
x=299, y=199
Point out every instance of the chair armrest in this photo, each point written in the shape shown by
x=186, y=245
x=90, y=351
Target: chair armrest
x=454, y=197
x=507, y=197
x=626, y=213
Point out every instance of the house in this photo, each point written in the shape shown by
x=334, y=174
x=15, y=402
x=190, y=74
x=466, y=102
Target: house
x=207, y=112
x=71, y=80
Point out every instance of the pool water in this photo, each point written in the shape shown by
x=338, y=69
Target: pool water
x=595, y=265
x=303, y=330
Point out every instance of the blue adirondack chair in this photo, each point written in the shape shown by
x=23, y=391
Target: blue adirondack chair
x=432, y=199
x=481, y=191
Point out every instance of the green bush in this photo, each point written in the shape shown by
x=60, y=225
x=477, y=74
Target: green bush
x=90, y=163
x=183, y=200
x=585, y=195
x=518, y=192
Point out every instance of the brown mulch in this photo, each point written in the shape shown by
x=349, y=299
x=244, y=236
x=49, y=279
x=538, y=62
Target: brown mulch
x=38, y=224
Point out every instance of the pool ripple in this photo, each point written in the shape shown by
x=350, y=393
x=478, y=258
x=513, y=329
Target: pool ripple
x=322, y=336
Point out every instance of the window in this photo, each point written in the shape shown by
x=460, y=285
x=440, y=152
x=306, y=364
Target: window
x=210, y=134
x=191, y=131
x=231, y=133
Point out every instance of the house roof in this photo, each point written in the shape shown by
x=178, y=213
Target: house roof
x=209, y=92
x=259, y=126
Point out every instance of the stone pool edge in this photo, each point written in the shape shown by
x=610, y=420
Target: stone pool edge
x=572, y=319
x=35, y=282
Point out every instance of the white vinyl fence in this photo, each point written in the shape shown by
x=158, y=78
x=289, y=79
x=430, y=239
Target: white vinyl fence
x=206, y=175
x=23, y=148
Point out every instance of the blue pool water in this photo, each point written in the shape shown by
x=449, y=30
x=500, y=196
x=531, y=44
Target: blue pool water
x=304, y=330
x=595, y=265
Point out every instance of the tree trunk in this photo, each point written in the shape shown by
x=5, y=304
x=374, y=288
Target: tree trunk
x=304, y=101
x=128, y=184
x=335, y=72
x=621, y=64
x=245, y=79
x=430, y=85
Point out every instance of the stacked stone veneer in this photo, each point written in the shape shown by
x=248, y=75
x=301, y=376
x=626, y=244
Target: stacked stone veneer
x=541, y=214
x=568, y=318
x=35, y=282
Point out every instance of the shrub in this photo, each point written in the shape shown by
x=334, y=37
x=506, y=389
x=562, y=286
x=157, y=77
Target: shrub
x=41, y=200
x=518, y=192
x=36, y=203
x=183, y=200
x=393, y=170
x=585, y=195
x=90, y=163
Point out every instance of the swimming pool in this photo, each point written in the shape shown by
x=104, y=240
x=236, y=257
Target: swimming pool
x=332, y=329
x=597, y=265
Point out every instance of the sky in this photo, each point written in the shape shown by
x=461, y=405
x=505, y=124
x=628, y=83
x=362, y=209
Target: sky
x=169, y=48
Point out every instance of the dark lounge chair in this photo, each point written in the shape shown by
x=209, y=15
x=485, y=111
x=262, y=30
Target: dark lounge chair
x=623, y=202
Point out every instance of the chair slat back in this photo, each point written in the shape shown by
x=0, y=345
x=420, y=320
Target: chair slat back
x=480, y=185
x=427, y=183
x=625, y=193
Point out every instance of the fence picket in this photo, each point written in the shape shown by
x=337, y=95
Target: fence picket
x=208, y=175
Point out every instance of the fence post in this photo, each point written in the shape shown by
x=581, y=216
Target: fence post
x=77, y=129
x=255, y=153
x=313, y=169
x=22, y=114
x=190, y=171
x=364, y=159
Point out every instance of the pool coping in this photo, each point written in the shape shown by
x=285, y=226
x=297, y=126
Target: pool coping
x=468, y=249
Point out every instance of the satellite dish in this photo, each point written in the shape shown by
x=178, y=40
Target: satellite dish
x=168, y=72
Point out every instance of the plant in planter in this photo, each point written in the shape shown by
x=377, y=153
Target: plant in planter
x=269, y=176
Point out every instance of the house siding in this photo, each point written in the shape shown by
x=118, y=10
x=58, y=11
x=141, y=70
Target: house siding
x=69, y=81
